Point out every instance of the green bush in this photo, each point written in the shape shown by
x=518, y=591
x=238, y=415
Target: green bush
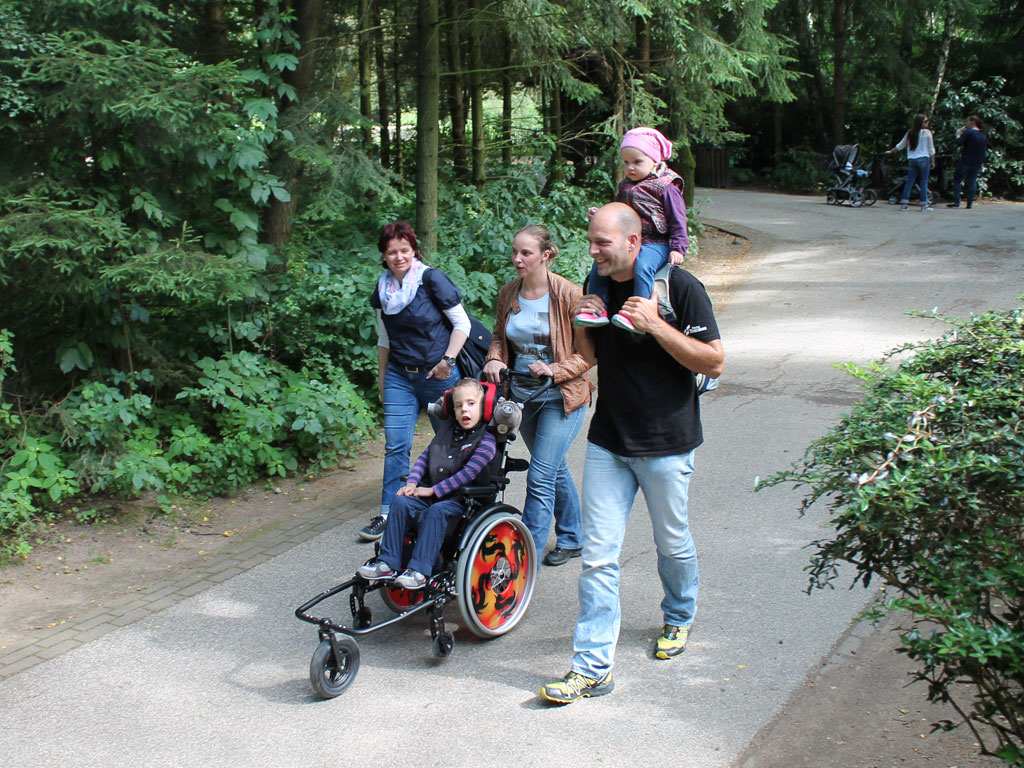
x=247, y=417
x=925, y=479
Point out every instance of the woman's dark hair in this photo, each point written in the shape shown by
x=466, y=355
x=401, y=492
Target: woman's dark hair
x=977, y=122
x=915, y=130
x=540, y=233
x=400, y=230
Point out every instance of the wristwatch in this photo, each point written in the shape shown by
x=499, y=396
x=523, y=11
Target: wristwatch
x=450, y=360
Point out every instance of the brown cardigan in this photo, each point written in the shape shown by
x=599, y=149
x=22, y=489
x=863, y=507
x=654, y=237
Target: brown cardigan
x=569, y=366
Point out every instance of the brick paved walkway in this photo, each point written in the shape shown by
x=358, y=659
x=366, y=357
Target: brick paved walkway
x=237, y=558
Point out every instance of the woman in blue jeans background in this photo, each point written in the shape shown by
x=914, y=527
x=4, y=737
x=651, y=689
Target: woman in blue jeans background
x=421, y=329
x=920, y=160
x=534, y=333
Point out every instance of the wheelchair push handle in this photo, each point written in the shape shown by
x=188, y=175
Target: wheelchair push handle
x=546, y=382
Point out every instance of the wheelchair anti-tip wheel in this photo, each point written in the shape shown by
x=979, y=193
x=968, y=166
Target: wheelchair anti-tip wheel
x=331, y=675
x=495, y=573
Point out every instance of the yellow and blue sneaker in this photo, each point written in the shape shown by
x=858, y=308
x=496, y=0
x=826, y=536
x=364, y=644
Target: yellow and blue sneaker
x=576, y=686
x=672, y=642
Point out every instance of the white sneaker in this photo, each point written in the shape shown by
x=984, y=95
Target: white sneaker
x=375, y=569
x=411, y=579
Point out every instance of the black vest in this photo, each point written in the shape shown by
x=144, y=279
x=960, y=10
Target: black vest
x=451, y=449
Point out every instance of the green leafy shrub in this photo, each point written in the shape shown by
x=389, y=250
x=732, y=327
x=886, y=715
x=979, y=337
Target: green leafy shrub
x=1003, y=172
x=246, y=418
x=33, y=472
x=925, y=479
x=266, y=419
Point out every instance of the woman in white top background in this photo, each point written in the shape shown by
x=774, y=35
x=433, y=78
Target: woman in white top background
x=920, y=160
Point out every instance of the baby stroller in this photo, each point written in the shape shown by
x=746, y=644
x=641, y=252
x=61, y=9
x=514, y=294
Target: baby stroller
x=487, y=565
x=850, y=176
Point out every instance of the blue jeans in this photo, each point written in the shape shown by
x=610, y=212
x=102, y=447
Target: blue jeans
x=917, y=170
x=970, y=173
x=610, y=484
x=429, y=518
x=550, y=492
x=405, y=396
x=650, y=258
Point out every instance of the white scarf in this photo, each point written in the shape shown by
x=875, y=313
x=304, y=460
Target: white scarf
x=395, y=296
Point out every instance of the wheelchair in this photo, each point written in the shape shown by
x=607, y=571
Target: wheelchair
x=487, y=566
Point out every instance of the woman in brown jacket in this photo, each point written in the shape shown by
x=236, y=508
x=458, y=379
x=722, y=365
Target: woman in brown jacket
x=534, y=333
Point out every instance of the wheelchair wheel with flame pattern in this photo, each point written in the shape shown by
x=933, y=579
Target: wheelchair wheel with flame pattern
x=496, y=572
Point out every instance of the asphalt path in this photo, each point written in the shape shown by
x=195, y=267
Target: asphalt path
x=221, y=678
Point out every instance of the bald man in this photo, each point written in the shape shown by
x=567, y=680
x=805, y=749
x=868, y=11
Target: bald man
x=643, y=434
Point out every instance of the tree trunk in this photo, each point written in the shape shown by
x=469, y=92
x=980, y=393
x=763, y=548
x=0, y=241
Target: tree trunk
x=428, y=92
x=456, y=91
x=365, y=75
x=906, y=56
x=277, y=221
x=215, y=31
x=506, y=106
x=809, y=64
x=382, y=88
x=839, y=34
x=777, y=135
x=643, y=47
x=397, y=166
x=947, y=41
x=618, y=108
x=556, y=170
x=476, y=86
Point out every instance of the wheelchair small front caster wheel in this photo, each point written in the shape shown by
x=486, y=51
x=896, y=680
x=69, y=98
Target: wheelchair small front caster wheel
x=443, y=644
x=331, y=674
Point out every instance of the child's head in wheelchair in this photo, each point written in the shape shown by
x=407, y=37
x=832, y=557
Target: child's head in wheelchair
x=468, y=403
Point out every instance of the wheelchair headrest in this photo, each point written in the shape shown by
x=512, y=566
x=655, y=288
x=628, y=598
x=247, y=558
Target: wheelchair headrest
x=444, y=407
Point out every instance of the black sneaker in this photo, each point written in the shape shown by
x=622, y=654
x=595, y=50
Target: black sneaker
x=576, y=686
x=374, y=530
x=560, y=556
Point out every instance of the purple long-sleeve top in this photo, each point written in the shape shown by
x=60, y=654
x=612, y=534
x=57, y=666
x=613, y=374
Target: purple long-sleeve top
x=675, y=214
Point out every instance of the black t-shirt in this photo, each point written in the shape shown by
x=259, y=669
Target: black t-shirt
x=419, y=334
x=647, y=403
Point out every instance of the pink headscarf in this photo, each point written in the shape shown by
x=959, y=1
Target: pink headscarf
x=650, y=141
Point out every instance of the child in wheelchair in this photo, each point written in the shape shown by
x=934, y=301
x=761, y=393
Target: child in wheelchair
x=459, y=454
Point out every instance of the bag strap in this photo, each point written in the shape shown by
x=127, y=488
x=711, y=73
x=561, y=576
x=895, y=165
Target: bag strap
x=668, y=314
x=665, y=308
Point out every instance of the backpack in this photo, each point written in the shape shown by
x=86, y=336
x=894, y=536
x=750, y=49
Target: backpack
x=472, y=357
x=668, y=314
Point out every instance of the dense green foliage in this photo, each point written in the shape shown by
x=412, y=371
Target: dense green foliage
x=867, y=68
x=925, y=478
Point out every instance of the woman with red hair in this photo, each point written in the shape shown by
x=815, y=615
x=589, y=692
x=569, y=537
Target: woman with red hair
x=421, y=329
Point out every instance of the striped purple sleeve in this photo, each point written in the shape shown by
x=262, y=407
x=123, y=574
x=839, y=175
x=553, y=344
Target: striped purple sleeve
x=481, y=458
x=419, y=469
